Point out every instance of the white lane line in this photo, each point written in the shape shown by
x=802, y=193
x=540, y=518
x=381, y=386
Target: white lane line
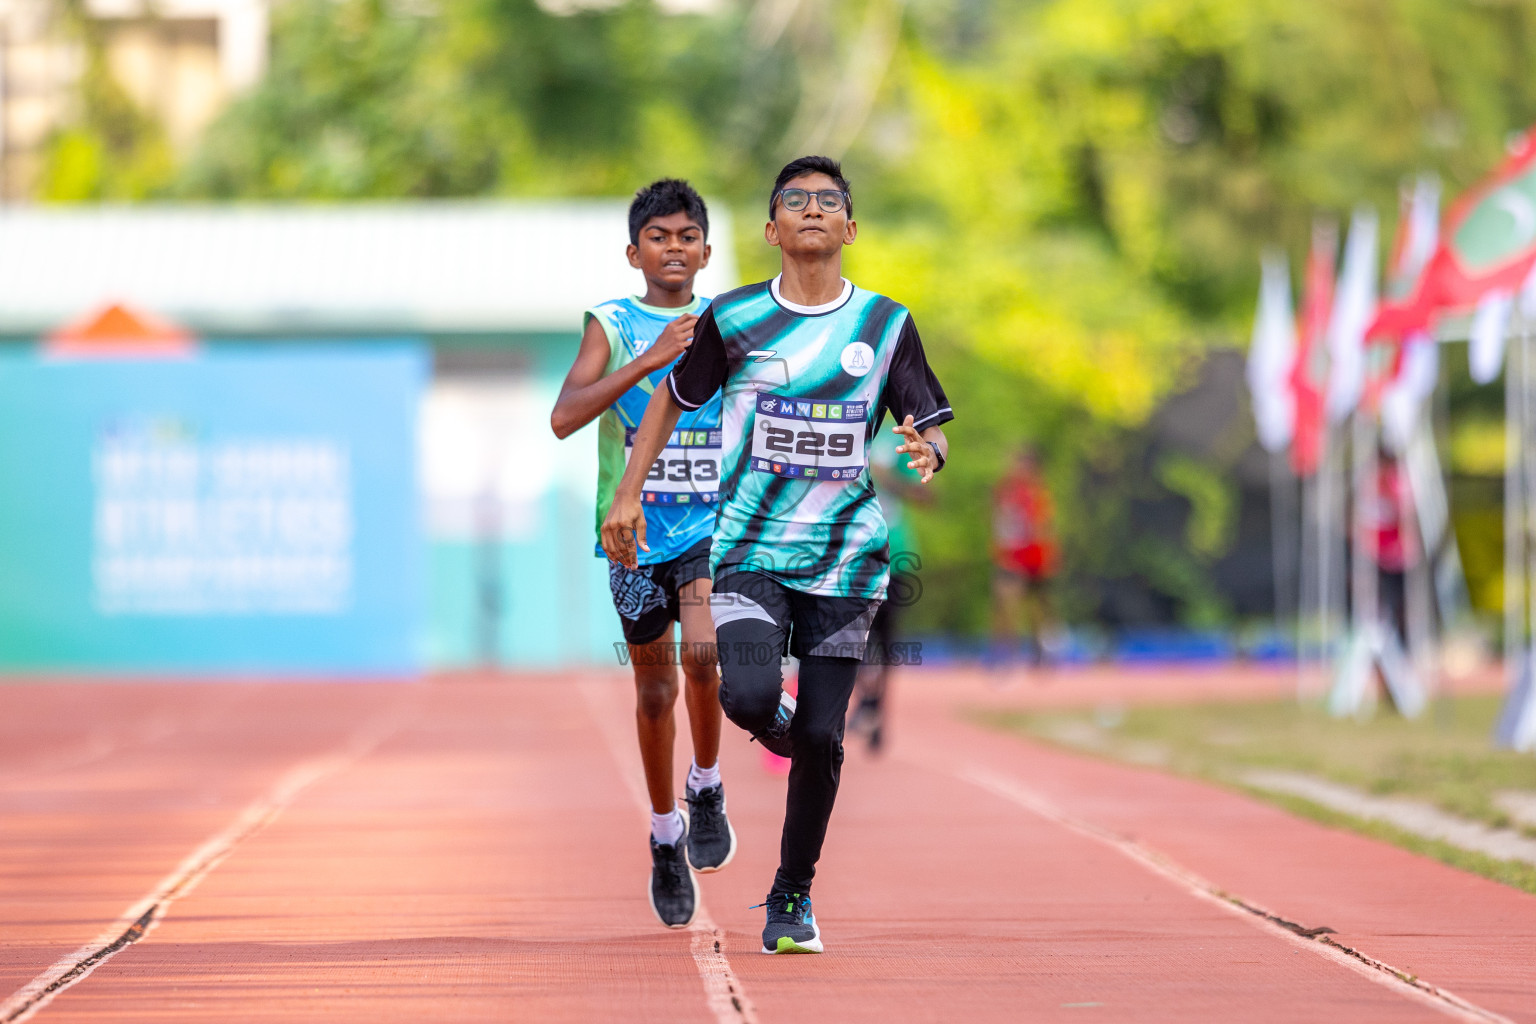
x=1367, y=967
x=139, y=919
x=723, y=991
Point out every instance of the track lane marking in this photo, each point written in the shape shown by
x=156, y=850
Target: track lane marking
x=140, y=919
x=723, y=991
x=1368, y=967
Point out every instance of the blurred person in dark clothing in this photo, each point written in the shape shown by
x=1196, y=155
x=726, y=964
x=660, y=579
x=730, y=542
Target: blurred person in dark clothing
x=896, y=486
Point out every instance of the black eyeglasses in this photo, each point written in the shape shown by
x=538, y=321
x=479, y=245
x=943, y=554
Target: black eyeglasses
x=797, y=199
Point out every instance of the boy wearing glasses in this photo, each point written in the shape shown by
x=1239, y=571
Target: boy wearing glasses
x=627, y=347
x=808, y=365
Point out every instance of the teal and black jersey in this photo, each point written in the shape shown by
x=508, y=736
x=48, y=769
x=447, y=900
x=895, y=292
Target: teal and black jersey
x=804, y=391
x=680, y=490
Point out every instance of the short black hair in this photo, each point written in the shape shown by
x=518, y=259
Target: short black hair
x=662, y=199
x=810, y=165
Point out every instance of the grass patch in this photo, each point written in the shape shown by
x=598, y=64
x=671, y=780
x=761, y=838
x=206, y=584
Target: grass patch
x=1444, y=758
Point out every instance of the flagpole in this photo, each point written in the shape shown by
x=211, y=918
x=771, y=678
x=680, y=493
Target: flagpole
x=1527, y=459
x=1324, y=512
x=1419, y=641
x=1306, y=590
x=1364, y=605
x=1339, y=601
x=1331, y=580
x=1282, y=544
x=1514, y=517
x=1447, y=576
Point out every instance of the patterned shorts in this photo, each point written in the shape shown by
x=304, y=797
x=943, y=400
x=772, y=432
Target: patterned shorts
x=647, y=598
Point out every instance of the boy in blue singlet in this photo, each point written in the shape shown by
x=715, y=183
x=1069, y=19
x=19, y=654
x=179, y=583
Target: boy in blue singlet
x=806, y=365
x=628, y=346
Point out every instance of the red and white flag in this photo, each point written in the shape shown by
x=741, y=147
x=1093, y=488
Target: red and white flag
x=1309, y=374
x=1485, y=254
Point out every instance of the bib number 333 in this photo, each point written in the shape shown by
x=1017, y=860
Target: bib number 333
x=809, y=440
x=688, y=470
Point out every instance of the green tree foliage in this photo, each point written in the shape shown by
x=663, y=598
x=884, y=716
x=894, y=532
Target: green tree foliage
x=1070, y=194
x=479, y=97
x=111, y=150
x=1073, y=192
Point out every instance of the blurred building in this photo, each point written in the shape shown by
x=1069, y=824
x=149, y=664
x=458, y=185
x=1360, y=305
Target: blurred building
x=495, y=290
x=180, y=61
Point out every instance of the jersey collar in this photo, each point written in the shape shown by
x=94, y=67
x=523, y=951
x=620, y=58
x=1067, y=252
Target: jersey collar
x=670, y=312
x=826, y=307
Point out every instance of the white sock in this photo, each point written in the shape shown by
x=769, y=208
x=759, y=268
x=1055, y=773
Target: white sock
x=667, y=828
x=700, y=779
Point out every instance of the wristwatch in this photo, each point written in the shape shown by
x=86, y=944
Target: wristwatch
x=937, y=454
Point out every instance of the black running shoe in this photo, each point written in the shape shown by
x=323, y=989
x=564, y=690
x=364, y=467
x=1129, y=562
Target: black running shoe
x=776, y=737
x=869, y=718
x=791, y=926
x=711, y=839
x=866, y=713
x=674, y=892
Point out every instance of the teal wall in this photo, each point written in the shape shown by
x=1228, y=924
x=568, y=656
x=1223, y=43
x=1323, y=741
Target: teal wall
x=554, y=607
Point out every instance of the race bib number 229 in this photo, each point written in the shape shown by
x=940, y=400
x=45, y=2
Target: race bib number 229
x=809, y=440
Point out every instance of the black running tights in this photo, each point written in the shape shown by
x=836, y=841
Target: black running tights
x=749, y=693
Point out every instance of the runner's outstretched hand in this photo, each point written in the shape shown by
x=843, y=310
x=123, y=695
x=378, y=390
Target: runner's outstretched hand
x=920, y=450
x=623, y=528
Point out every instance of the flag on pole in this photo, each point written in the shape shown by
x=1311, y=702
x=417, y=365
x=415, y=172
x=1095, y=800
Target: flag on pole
x=1403, y=399
x=1407, y=367
x=1309, y=373
x=1418, y=232
x=1404, y=370
x=1485, y=341
x=1490, y=327
x=1272, y=355
x=1353, y=308
x=1488, y=245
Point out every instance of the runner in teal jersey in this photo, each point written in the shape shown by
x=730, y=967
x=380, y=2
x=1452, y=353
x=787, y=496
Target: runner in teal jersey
x=808, y=365
x=628, y=346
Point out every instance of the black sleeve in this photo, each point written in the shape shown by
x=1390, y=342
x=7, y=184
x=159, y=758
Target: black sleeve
x=910, y=386
x=702, y=368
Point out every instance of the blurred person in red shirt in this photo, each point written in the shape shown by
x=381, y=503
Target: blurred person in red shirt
x=1387, y=524
x=1023, y=556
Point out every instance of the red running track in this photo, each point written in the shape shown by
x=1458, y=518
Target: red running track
x=474, y=849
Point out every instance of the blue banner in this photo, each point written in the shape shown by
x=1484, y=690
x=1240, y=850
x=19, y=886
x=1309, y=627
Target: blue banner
x=243, y=510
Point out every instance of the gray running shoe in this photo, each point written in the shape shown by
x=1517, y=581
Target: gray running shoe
x=776, y=737
x=711, y=839
x=674, y=892
x=791, y=926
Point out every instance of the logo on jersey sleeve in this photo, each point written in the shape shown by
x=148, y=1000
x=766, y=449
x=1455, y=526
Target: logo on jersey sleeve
x=857, y=359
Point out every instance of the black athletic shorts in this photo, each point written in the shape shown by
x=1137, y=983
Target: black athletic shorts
x=805, y=625
x=647, y=598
